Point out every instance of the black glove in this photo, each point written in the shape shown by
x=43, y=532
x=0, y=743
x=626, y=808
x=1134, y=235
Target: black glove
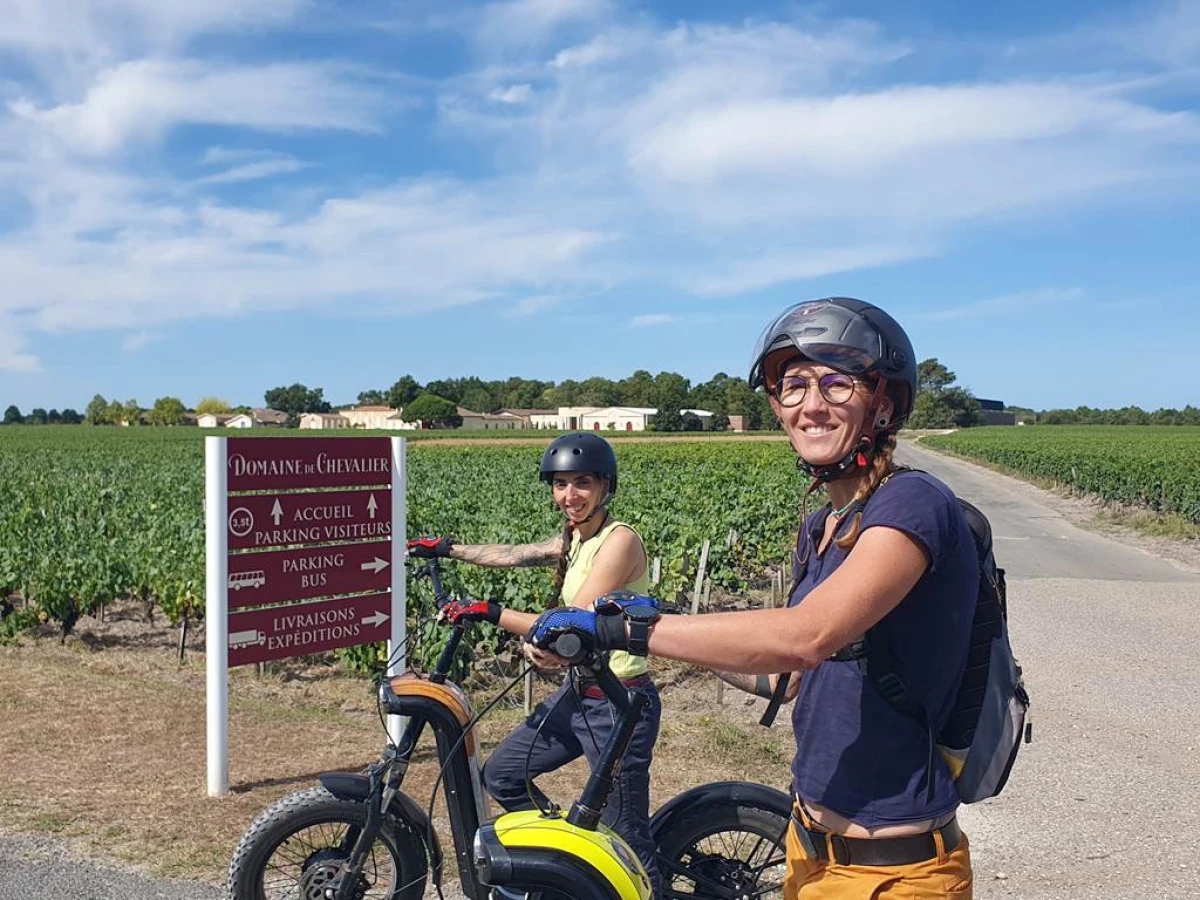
x=459, y=611
x=430, y=547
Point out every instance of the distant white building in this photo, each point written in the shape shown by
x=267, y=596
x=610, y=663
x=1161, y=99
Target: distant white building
x=616, y=418
x=254, y=419
x=385, y=418
x=323, y=421
x=501, y=421
x=534, y=418
x=264, y=415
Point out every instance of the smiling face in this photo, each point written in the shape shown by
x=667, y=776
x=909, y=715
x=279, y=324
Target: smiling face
x=578, y=494
x=822, y=432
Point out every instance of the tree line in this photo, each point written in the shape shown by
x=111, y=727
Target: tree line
x=940, y=403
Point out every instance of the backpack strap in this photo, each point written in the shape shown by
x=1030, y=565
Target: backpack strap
x=874, y=654
x=799, y=570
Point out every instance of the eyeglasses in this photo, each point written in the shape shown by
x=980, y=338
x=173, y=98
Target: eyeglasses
x=835, y=387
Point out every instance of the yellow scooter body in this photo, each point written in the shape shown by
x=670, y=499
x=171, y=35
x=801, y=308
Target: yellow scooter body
x=603, y=850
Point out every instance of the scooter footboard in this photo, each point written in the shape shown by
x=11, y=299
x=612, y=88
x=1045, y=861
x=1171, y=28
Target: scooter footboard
x=532, y=851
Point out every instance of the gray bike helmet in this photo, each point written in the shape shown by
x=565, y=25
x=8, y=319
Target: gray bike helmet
x=847, y=335
x=580, y=451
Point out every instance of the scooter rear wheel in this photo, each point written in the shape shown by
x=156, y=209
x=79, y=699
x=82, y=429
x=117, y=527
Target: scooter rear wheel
x=299, y=844
x=724, y=851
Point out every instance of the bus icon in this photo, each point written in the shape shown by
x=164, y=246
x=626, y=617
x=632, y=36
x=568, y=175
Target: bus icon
x=251, y=579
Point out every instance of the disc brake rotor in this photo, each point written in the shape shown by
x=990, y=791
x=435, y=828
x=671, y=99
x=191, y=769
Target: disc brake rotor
x=319, y=871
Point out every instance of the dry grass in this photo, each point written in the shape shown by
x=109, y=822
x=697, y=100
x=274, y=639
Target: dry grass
x=103, y=741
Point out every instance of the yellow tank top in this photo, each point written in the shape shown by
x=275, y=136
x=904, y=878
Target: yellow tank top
x=579, y=565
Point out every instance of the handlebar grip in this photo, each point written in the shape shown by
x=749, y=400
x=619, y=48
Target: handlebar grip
x=569, y=646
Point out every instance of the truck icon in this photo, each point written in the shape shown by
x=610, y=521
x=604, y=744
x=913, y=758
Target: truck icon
x=251, y=579
x=240, y=639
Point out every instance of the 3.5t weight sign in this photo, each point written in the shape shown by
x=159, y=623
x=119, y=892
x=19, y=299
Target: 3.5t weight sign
x=283, y=519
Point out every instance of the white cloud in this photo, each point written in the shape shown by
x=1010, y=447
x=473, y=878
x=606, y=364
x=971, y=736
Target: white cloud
x=533, y=21
x=854, y=133
x=254, y=170
x=713, y=159
x=532, y=305
x=108, y=27
x=139, y=339
x=1008, y=304
x=647, y=320
x=145, y=98
x=513, y=94
x=605, y=48
x=407, y=248
x=13, y=355
x=741, y=275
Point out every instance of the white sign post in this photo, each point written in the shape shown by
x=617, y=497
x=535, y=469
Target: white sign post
x=216, y=612
x=399, y=662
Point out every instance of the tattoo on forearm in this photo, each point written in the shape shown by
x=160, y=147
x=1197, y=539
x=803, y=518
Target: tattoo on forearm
x=509, y=555
x=759, y=685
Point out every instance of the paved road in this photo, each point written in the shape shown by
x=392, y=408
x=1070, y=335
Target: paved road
x=1104, y=805
x=40, y=868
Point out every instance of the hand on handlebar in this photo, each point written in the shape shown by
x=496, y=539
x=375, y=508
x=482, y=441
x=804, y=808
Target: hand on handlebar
x=591, y=632
x=458, y=612
x=430, y=547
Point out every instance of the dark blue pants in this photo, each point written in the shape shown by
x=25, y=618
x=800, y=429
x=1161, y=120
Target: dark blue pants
x=572, y=726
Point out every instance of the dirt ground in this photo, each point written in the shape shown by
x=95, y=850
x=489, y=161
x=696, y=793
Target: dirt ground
x=103, y=742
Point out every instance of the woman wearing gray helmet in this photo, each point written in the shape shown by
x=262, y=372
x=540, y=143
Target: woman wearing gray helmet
x=595, y=554
x=891, y=552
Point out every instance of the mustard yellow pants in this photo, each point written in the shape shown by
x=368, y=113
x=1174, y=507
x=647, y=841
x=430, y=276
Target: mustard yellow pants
x=948, y=875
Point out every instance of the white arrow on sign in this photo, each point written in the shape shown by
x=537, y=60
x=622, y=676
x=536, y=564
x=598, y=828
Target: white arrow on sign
x=276, y=511
x=376, y=619
x=377, y=566
x=372, y=506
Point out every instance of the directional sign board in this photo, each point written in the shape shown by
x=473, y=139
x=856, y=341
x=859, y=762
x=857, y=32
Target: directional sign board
x=281, y=631
x=280, y=576
x=272, y=520
x=299, y=558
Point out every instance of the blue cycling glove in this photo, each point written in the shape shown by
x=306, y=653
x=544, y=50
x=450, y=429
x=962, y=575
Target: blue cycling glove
x=597, y=632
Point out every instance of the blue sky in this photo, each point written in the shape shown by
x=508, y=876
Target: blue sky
x=216, y=198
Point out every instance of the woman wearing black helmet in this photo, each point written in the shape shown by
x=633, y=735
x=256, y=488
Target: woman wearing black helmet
x=595, y=554
x=891, y=552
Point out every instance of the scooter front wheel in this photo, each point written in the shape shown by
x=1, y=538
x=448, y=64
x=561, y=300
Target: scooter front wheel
x=724, y=850
x=298, y=845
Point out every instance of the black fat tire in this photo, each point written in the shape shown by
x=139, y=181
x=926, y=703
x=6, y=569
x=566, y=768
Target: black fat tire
x=309, y=808
x=723, y=821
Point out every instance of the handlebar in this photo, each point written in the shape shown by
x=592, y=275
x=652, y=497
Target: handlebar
x=586, y=811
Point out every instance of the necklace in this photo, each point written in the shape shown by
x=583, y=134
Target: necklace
x=841, y=512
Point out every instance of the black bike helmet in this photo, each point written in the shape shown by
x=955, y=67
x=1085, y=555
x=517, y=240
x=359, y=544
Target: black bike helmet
x=847, y=335
x=580, y=451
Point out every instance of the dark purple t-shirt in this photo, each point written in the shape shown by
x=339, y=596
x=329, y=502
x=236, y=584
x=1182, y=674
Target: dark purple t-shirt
x=855, y=754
